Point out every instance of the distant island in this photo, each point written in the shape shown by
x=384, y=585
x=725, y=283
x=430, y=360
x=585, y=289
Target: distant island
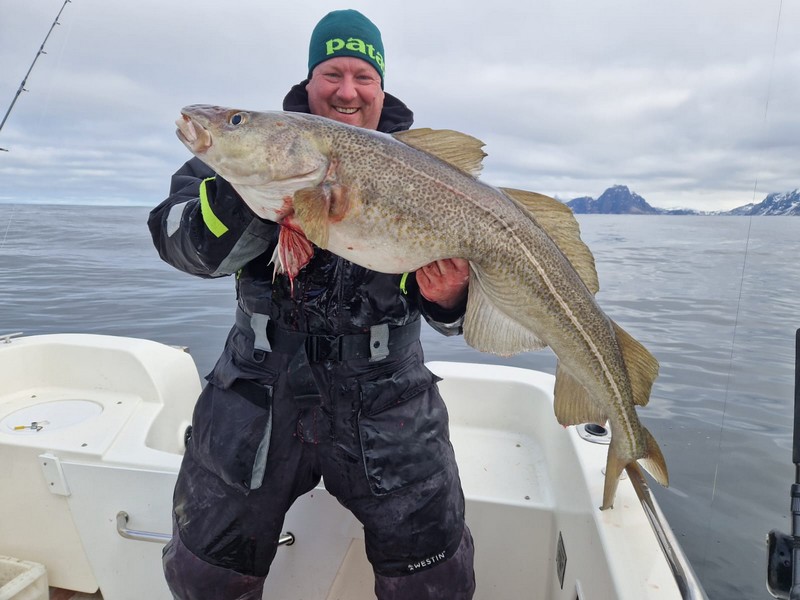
x=619, y=200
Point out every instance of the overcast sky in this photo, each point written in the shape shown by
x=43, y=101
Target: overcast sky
x=690, y=103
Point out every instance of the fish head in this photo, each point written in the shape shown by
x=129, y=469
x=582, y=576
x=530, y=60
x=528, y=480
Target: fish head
x=252, y=148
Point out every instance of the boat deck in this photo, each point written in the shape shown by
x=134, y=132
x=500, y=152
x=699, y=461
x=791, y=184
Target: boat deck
x=531, y=487
x=496, y=500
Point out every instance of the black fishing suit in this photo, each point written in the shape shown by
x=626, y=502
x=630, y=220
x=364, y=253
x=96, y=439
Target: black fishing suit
x=320, y=377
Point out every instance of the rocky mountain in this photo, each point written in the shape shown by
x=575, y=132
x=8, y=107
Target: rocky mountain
x=615, y=200
x=785, y=203
x=619, y=200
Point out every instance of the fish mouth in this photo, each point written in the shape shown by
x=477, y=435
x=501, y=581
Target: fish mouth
x=193, y=135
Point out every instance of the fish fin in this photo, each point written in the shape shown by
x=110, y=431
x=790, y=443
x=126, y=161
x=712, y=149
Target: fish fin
x=572, y=403
x=488, y=329
x=653, y=461
x=641, y=365
x=614, y=467
x=343, y=201
x=316, y=207
x=558, y=221
x=311, y=208
x=458, y=149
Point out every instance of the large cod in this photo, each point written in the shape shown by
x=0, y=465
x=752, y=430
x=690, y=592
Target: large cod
x=394, y=203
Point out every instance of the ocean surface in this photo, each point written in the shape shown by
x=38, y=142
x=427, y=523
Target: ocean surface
x=716, y=299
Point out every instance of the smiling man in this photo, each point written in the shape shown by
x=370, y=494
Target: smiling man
x=315, y=376
x=346, y=70
x=348, y=90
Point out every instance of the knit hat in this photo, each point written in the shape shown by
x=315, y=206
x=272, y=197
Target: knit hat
x=346, y=33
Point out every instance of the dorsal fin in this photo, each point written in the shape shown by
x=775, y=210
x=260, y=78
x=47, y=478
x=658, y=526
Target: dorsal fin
x=560, y=224
x=459, y=149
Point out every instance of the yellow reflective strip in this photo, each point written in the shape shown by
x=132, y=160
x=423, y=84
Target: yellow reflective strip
x=211, y=220
x=403, y=280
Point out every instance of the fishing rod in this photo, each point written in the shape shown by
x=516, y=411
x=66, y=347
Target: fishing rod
x=35, y=58
x=783, y=551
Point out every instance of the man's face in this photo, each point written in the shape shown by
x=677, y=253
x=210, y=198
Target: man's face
x=346, y=89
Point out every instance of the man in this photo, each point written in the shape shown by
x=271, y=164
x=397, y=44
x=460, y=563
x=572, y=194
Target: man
x=314, y=375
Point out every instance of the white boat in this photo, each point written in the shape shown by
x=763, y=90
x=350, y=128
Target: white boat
x=91, y=437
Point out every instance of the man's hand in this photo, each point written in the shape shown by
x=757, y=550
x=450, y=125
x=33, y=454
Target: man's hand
x=444, y=282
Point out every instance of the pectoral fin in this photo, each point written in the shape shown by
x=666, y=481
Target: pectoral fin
x=315, y=208
x=311, y=208
x=488, y=329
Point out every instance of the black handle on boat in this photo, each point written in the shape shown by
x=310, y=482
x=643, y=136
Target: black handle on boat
x=783, y=551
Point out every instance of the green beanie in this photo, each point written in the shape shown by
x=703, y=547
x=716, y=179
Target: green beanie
x=346, y=33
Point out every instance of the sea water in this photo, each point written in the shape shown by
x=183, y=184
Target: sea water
x=715, y=299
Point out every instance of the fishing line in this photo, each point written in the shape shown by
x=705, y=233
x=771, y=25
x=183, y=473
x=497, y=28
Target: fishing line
x=739, y=299
x=8, y=227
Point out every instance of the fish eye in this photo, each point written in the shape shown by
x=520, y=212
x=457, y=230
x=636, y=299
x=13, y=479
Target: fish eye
x=236, y=119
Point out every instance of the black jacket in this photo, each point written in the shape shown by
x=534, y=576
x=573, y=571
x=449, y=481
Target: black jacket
x=219, y=235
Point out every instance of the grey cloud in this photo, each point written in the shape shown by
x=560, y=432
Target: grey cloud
x=570, y=96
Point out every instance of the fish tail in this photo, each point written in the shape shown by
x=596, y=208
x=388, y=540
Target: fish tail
x=614, y=466
x=653, y=460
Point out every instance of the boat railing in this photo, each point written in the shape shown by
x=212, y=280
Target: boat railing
x=685, y=577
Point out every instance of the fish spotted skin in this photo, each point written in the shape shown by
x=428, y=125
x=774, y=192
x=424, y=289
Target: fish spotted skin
x=396, y=203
